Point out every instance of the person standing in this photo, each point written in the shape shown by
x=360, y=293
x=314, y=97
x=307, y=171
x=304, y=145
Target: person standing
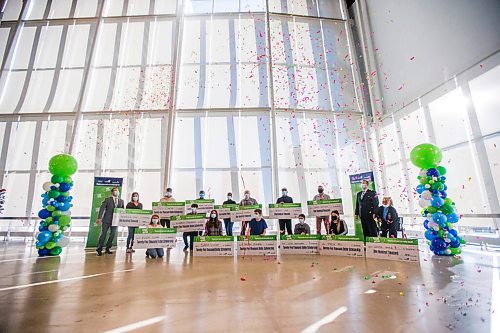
x=201, y=195
x=285, y=222
x=366, y=205
x=105, y=219
x=228, y=224
x=388, y=216
x=167, y=198
x=325, y=219
x=246, y=201
x=133, y=204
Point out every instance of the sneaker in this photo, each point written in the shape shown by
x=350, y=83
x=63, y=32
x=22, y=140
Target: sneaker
x=129, y=250
x=132, y=250
x=109, y=252
x=99, y=253
x=185, y=248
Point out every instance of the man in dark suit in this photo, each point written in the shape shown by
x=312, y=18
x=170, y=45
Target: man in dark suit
x=285, y=222
x=105, y=219
x=366, y=206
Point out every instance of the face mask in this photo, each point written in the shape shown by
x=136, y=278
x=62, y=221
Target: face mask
x=284, y=193
x=320, y=190
x=202, y=195
x=385, y=205
x=229, y=197
x=135, y=199
x=213, y=216
x=247, y=196
x=155, y=221
x=334, y=217
x=169, y=194
x=116, y=193
x=193, y=210
x=301, y=220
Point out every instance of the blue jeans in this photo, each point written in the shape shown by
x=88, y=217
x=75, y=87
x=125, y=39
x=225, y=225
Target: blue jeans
x=153, y=253
x=229, y=227
x=130, y=237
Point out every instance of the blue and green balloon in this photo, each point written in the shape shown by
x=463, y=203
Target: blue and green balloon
x=56, y=204
x=437, y=208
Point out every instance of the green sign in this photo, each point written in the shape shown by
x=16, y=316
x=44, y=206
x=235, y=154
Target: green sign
x=250, y=207
x=342, y=238
x=324, y=202
x=401, y=241
x=102, y=190
x=214, y=239
x=225, y=206
x=257, y=238
x=200, y=201
x=169, y=204
x=285, y=205
x=133, y=211
x=300, y=237
x=142, y=231
x=188, y=217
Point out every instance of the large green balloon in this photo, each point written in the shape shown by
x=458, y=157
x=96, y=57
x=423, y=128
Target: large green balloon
x=57, y=179
x=63, y=165
x=426, y=156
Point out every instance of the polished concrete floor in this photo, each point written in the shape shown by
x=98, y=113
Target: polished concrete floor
x=79, y=292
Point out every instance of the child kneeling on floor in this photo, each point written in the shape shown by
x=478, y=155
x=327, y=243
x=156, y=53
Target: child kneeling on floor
x=155, y=252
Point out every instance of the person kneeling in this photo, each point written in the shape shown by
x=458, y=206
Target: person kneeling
x=302, y=228
x=257, y=226
x=155, y=252
x=337, y=225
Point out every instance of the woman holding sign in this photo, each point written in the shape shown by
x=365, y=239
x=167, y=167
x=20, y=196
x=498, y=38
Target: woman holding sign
x=337, y=225
x=155, y=252
x=133, y=204
x=213, y=227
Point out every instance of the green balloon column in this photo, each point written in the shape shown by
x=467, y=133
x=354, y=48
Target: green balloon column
x=437, y=208
x=56, y=203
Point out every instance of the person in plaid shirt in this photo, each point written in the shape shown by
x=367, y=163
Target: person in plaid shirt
x=326, y=219
x=213, y=227
x=246, y=201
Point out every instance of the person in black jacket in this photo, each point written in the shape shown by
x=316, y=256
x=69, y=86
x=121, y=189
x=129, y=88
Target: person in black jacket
x=133, y=204
x=105, y=219
x=366, y=205
x=388, y=217
x=285, y=222
x=228, y=224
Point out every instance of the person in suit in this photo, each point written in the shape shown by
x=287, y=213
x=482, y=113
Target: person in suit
x=366, y=206
x=105, y=218
x=285, y=222
x=228, y=224
x=388, y=217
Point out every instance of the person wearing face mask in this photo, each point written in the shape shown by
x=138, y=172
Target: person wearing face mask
x=228, y=224
x=155, y=252
x=201, y=195
x=325, y=219
x=285, y=222
x=167, y=198
x=302, y=228
x=133, y=204
x=190, y=234
x=388, y=217
x=257, y=226
x=105, y=219
x=337, y=225
x=366, y=205
x=213, y=227
x=246, y=201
